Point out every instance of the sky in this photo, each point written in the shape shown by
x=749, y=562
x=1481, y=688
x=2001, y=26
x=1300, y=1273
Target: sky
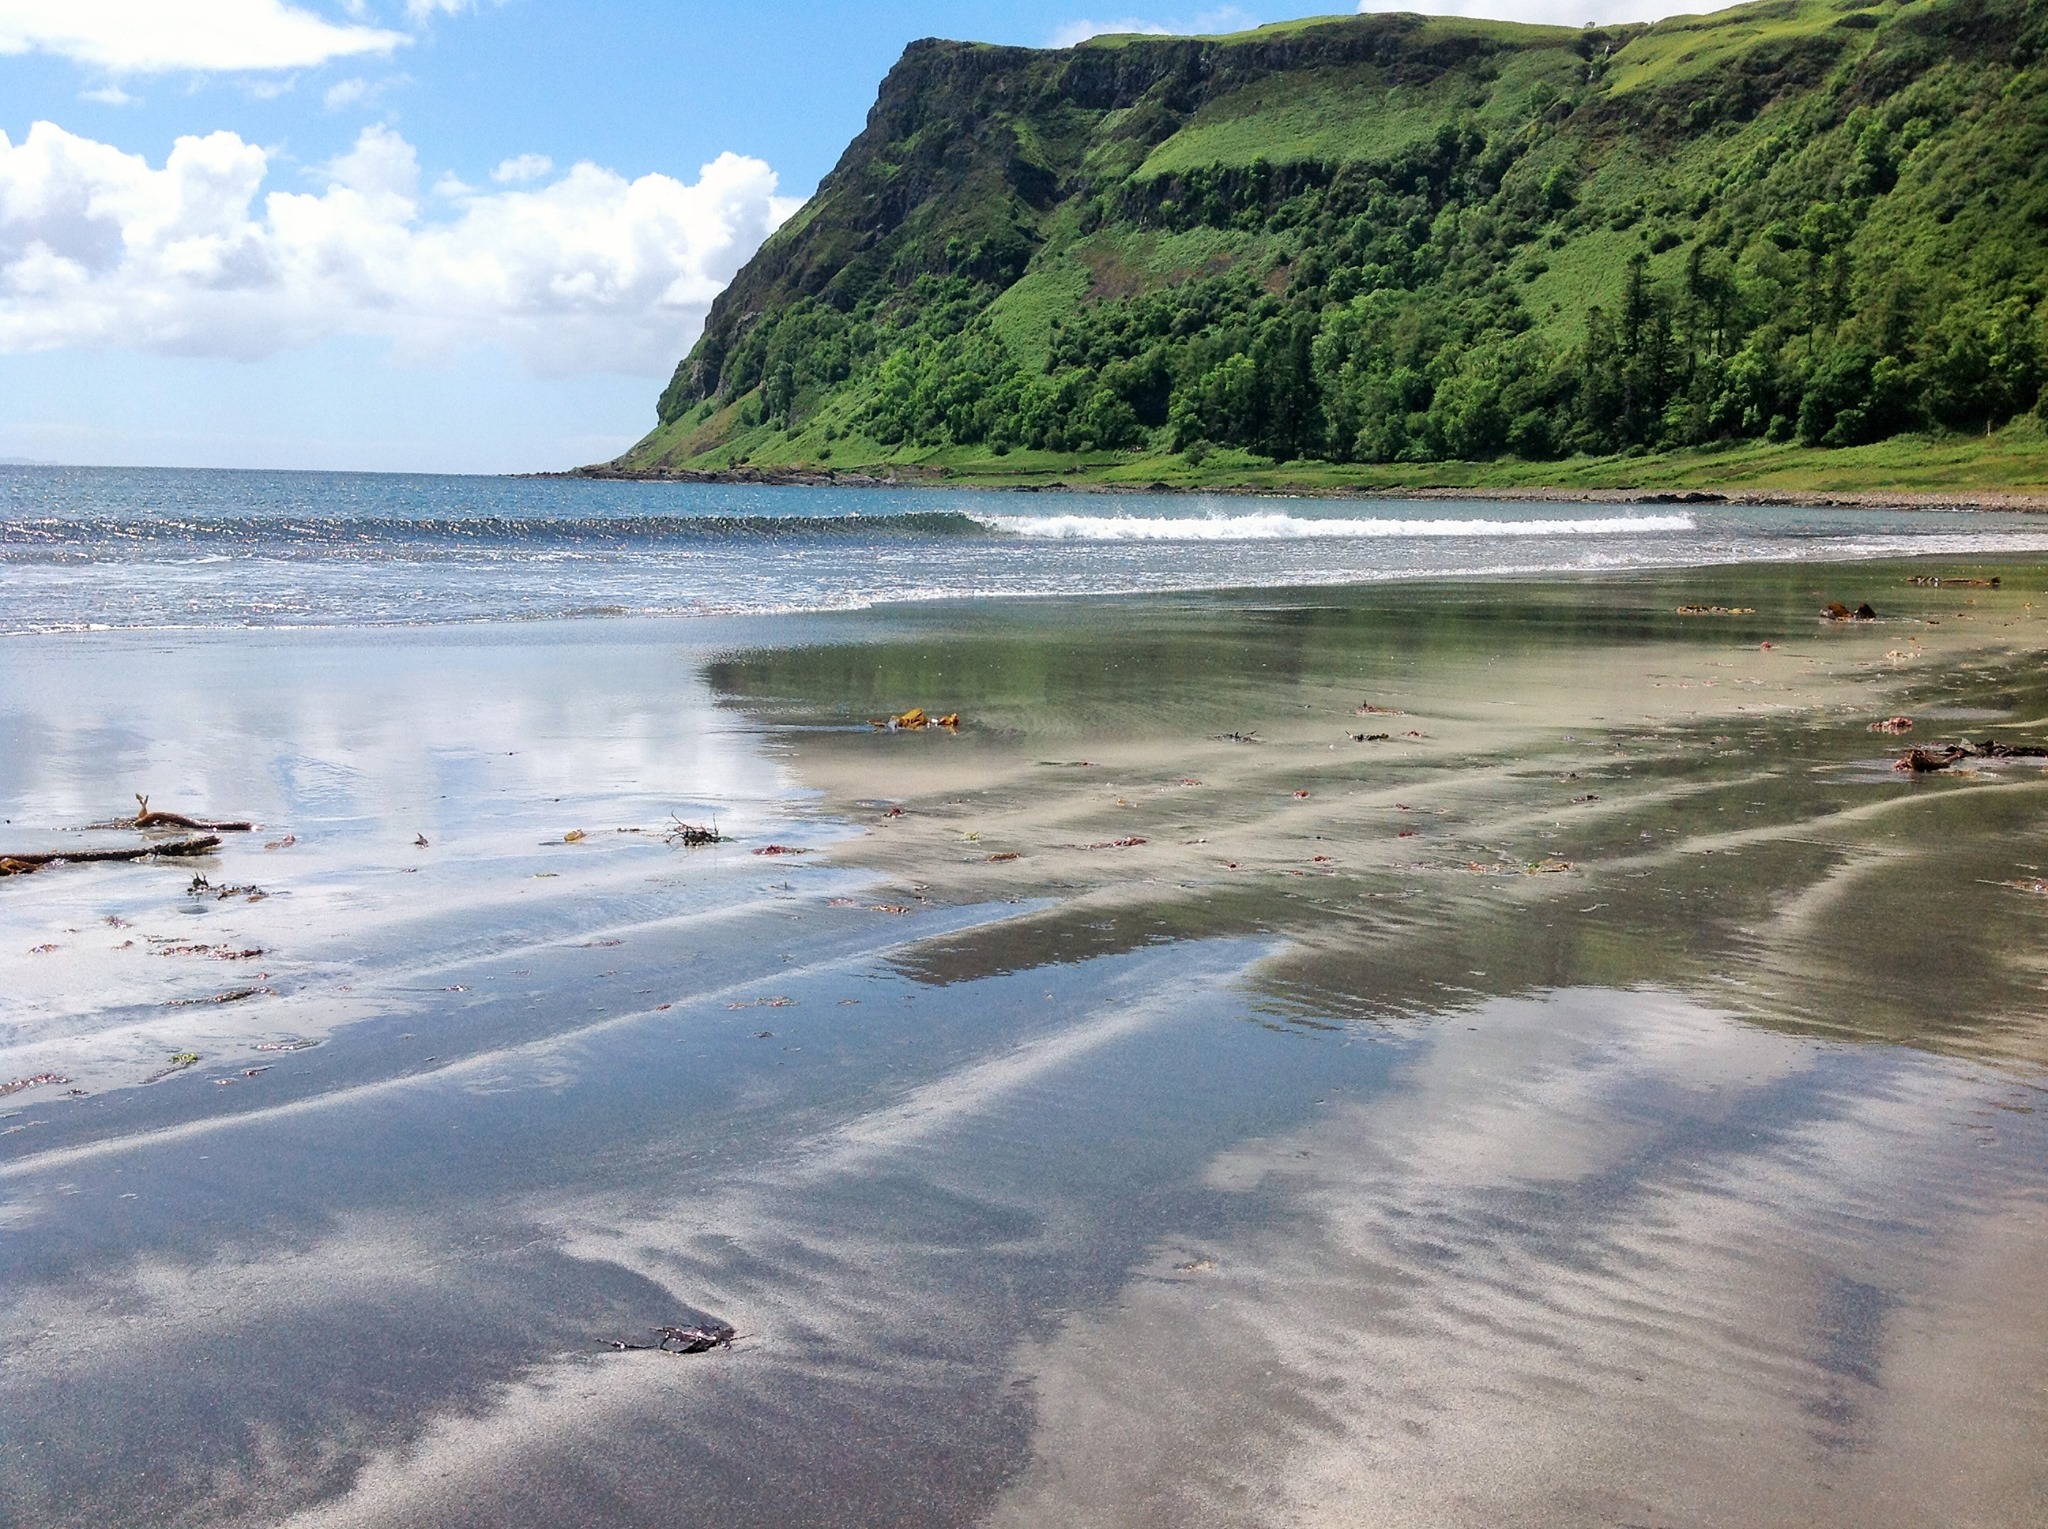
x=430, y=235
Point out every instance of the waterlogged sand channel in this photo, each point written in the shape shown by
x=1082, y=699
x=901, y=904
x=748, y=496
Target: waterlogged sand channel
x=1456, y=1054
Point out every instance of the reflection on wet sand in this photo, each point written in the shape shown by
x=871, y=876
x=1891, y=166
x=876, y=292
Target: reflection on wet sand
x=1595, y=1257
x=1599, y=1249
x=1613, y=1096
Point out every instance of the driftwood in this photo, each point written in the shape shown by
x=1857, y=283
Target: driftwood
x=1927, y=581
x=40, y=1080
x=698, y=1338
x=1990, y=750
x=1927, y=761
x=690, y=835
x=1921, y=762
x=29, y=861
x=233, y=995
x=144, y=818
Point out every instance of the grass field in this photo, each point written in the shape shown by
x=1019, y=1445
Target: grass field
x=2013, y=462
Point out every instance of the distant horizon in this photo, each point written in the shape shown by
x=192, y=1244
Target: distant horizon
x=311, y=472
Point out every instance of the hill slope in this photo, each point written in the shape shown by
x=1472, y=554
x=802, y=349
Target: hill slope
x=1374, y=247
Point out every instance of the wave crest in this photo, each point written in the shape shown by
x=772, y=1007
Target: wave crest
x=1284, y=527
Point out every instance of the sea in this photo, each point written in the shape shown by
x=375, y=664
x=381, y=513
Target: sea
x=132, y=548
x=1601, y=1086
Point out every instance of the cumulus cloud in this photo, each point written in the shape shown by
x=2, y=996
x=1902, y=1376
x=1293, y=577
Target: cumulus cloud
x=1226, y=19
x=522, y=168
x=589, y=272
x=153, y=36
x=345, y=93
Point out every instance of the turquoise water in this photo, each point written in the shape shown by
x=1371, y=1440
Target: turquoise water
x=143, y=548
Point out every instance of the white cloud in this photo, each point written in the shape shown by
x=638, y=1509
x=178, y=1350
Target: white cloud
x=345, y=93
x=1226, y=19
x=110, y=95
x=589, y=273
x=153, y=36
x=356, y=91
x=521, y=169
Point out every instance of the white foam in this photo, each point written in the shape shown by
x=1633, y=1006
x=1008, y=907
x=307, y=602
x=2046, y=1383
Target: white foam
x=1284, y=527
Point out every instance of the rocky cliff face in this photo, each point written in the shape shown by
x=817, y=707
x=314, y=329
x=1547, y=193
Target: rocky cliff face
x=1393, y=238
x=982, y=143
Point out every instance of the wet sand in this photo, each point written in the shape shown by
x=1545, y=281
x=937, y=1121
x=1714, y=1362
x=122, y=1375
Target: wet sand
x=1591, y=1086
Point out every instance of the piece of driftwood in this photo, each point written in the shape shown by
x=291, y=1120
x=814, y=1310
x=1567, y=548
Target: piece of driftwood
x=40, y=1080
x=35, y=860
x=1928, y=761
x=233, y=995
x=144, y=818
x=695, y=1338
x=690, y=835
x=1989, y=749
x=1923, y=762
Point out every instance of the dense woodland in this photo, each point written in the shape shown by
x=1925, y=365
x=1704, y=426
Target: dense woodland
x=1836, y=231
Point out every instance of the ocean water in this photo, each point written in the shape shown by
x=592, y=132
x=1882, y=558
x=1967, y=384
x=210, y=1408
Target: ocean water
x=85, y=548
x=1093, y=1120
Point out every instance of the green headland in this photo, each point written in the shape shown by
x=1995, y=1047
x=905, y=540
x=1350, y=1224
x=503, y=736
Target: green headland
x=1797, y=246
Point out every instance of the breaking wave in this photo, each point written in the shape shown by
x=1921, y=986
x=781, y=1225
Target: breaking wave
x=1283, y=527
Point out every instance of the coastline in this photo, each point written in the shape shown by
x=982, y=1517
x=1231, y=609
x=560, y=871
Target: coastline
x=2026, y=500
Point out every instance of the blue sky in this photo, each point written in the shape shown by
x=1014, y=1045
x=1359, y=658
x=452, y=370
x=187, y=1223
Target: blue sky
x=467, y=235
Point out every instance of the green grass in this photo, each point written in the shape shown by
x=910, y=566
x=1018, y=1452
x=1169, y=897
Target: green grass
x=1587, y=272
x=2012, y=461
x=1023, y=316
x=1690, y=47
x=1114, y=40
x=1433, y=29
x=1333, y=114
x=1337, y=115
x=1121, y=262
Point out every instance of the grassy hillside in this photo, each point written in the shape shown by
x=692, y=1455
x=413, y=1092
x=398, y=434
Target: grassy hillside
x=1797, y=244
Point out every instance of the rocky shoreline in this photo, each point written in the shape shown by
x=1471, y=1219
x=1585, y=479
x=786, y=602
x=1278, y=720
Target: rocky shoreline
x=815, y=477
